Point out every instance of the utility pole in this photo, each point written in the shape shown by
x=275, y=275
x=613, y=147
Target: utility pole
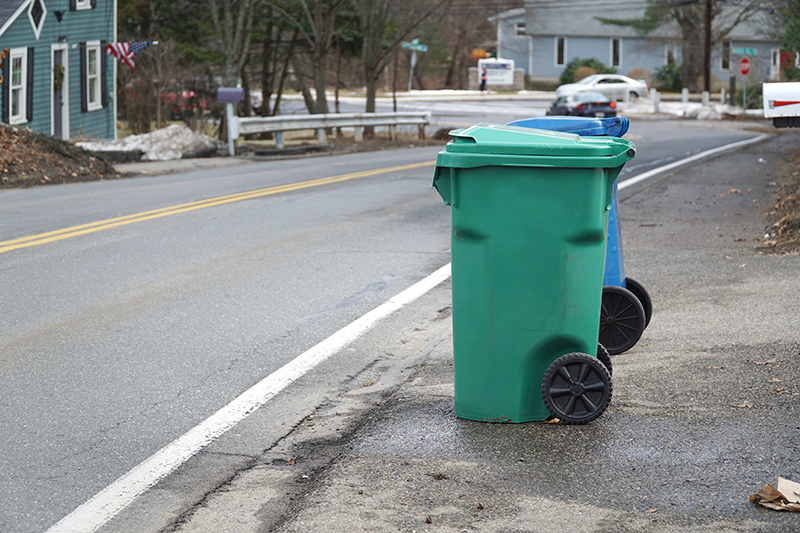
x=707, y=54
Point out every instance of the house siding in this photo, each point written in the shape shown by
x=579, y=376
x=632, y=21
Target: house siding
x=75, y=28
x=588, y=38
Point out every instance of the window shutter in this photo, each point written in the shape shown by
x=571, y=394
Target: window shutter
x=103, y=71
x=84, y=98
x=94, y=4
x=73, y=5
x=29, y=88
x=5, y=92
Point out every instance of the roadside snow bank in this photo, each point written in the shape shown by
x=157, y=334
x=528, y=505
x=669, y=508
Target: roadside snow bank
x=646, y=106
x=173, y=142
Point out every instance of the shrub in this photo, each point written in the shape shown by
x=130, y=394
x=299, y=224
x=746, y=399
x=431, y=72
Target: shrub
x=668, y=78
x=583, y=72
x=754, y=96
x=568, y=74
x=642, y=74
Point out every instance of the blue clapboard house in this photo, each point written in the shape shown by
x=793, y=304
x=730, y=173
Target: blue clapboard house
x=56, y=78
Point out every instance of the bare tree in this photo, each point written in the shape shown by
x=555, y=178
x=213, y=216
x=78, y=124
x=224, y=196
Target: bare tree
x=385, y=24
x=233, y=25
x=316, y=22
x=702, y=23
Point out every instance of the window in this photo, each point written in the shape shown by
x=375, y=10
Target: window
x=561, y=51
x=18, y=60
x=83, y=4
x=670, y=54
x=616, y=52
x=519, y=28
x=37, y=13
x=725, y=57
x=93, y=76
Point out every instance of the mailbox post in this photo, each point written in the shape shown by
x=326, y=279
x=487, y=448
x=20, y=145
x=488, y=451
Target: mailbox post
x=230, y=96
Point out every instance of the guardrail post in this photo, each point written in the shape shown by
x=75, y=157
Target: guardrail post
x=685, y=95
x=705, y=98
x=279, y=139
x=421, y=132
x=322, y=137
x=359, y=134
x=393, y=132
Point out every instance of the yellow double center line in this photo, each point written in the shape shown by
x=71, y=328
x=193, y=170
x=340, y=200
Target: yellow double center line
x=83, y=229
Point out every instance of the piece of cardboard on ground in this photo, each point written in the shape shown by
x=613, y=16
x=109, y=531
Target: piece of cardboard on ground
x=785, y=498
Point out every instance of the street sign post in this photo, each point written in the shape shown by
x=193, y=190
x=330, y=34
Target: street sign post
x=415, y=47
x=744, y=68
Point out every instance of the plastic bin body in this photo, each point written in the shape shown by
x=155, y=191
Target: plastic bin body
x=529, y=222
x=614, y=127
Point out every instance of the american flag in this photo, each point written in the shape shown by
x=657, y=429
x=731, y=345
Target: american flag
x=125, y=51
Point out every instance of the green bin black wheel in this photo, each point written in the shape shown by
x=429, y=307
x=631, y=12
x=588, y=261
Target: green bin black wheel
x=639, y=291
x=604, y=357
x=576, y=388
x=622, y=319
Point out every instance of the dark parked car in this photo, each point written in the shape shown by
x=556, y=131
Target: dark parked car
x=584, y=104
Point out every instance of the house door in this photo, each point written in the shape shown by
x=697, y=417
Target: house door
x=60, y=104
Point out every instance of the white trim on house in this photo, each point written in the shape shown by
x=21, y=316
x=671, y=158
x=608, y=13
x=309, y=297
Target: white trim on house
x=20, y=10
x=564, y=55
x=113, y=93
x=21, y=88
x=81, y=5
x=37, y=31
x=64, y=47
x=94, y=80
x=611, y=62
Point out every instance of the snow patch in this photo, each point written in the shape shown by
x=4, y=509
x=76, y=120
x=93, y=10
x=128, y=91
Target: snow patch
x=165, y=144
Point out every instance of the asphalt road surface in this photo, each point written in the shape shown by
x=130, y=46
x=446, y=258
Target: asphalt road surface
x=135, y=309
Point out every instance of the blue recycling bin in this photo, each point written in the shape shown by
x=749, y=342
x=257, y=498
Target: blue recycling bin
x=627, y=307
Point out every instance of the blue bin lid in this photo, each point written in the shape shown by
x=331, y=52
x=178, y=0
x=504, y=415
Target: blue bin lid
x=585, y=127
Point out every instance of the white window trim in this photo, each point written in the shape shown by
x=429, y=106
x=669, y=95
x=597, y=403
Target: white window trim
x=37, y=31
x=611, y=52
x=98, y=104
x=555, y=51
x=729, y=46
x=675, y=49
x=83, y=4
x=519, y=29
x=22, y=116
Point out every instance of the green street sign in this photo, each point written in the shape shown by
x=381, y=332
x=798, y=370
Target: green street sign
x=744, y=51
x=415, y=46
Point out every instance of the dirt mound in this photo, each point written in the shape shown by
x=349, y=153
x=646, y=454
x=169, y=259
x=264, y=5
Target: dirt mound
x=29, y=158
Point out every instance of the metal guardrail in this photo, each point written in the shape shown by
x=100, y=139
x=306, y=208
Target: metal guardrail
x=281, y=123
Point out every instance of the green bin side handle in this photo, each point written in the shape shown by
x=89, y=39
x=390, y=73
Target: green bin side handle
x=445, y=181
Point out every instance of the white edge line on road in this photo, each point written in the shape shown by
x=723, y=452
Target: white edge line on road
x=109, y=502
x=106, y=504
x=650, y=173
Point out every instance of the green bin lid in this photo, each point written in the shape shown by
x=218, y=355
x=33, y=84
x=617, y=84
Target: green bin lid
x=494, y=144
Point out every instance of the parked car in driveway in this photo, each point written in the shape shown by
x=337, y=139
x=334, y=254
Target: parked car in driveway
x=614, y=86
x=584, y=104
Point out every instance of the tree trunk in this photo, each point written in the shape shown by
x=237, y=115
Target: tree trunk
x=320, y=85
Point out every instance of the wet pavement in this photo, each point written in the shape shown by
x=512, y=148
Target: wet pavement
x=705, y=409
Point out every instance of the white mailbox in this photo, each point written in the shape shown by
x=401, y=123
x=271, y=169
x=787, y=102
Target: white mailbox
x=782, y=104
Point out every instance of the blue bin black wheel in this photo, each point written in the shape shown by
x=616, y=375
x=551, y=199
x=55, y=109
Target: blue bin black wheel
x=576, y=388
x=604, y=357
x=622, y=319
x=639, y=291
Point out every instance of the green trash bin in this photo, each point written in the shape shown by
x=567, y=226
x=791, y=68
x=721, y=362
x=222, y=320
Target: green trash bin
x=529, y=221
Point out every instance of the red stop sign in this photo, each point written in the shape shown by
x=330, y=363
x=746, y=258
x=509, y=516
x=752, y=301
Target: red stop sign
x=744, y=66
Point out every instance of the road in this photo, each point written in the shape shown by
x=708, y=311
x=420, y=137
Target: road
x=118, y=339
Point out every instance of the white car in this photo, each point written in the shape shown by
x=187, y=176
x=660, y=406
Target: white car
x=614, y=86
